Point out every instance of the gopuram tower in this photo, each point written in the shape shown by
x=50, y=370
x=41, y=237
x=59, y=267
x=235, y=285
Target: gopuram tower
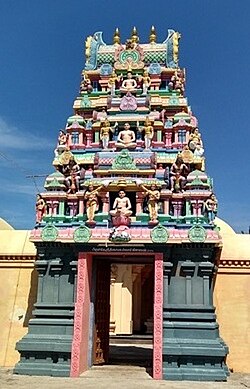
x=129, y=186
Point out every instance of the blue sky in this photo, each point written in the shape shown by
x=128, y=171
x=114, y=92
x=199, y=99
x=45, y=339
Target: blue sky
x=41, y=58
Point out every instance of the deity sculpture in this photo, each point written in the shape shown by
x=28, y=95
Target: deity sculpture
x=195, y=140
x=92, y=204
x=62, y=142
x=121, y=209
x=126, y=138
x=62, y=138
x=153, y=195
x=146, y=81
x=129, y=84
x=40, y=208
x=86, y=85
x=178, y=172
x=148, y=130
x=73, y=180
x=211, y=205
x=113, y=79
x=104, y=133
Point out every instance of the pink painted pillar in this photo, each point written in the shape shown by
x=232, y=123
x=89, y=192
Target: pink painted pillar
x=158, y=317
x=81, y=207
x=177, y=205
x=54, y=207
x=168, y=139
x=105, y=201
x=166, y=206
x=139, y=202
x=197, y=207
x=79, y=350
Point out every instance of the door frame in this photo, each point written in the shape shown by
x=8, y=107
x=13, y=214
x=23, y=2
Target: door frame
x=82, y=315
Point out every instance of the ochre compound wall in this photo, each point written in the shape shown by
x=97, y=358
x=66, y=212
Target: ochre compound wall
x=18, y=284
x=232, y=299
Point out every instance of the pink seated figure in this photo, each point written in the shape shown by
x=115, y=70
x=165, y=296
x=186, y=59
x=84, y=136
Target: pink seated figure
x=126, y=138
x=121, y=211
x=129, y=84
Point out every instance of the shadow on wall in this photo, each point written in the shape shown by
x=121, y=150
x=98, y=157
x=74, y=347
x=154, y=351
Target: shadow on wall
x=32, y=297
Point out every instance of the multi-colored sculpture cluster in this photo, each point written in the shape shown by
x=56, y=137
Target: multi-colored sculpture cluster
x=130, y=162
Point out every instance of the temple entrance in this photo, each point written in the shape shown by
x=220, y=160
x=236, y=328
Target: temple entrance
x=124, y=308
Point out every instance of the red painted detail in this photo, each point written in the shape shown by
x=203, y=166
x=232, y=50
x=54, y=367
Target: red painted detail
x=158, y=306
x=79, y=351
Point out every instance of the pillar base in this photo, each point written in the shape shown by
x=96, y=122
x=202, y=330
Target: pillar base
x=192, y=348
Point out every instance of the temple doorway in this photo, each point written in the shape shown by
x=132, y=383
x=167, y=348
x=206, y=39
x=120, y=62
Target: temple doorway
x=123, y=310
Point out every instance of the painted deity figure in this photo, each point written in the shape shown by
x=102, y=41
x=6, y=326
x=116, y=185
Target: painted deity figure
x=121, y=209
x=153, y=195
x=62, y=142
x=146, y=82
x=178, y=173
x=126, y=138
x=86, y=85
x=129, y=84
x=113, y=79
x=40, y=208
x=62, y=138
x=211, y=205
x=73, y=180
x=195, y=140
x=104, y=133
x=148, y=133
x=92, y=203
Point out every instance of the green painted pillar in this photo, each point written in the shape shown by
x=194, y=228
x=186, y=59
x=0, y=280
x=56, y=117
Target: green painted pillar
x=192, y=347
x=46, y=349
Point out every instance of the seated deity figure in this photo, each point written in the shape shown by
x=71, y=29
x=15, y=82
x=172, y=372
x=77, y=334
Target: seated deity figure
x=211, y=208
x=178, y=172
x=92, y=204
x=148, y=132
x=129, y=84
x=104, y=133
x=121, y=209
x=126, y=138
x=195, y=140
x=153, y=195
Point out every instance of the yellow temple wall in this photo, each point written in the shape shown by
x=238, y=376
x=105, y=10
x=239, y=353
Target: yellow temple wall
x=232, y=298
x=18, y=284
x=18, y=281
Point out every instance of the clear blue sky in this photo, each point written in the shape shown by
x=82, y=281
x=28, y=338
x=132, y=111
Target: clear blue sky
x=41, y=58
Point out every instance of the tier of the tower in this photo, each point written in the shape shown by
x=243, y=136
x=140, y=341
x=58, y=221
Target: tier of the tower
x=130, y=162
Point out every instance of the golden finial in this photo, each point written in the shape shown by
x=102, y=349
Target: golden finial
x=116, y=38
x=152, y=36
x=134, y=36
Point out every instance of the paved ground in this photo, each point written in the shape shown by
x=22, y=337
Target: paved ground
x=114, y=377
